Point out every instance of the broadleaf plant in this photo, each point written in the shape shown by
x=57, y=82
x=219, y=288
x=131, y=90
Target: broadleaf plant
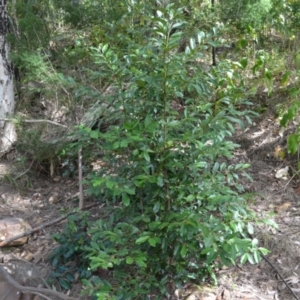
x=174, y=209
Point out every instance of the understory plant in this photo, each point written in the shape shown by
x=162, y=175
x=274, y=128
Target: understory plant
x=293, y=139
x=174, y=206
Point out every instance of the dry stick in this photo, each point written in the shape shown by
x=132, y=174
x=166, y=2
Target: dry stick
x=33, y=290
x=281, y=277
x=80, y=178
x=37, y=121
x=42, y=226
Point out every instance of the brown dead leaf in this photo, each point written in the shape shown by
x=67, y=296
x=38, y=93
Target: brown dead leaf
x=27, y=255
x=283, y=207
x=279, y=152
x=297, y=190
x=57, y=179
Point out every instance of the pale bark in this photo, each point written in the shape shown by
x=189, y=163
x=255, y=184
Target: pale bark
x=7, y=101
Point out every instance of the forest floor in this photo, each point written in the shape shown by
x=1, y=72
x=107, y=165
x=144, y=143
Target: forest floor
x=262, y=145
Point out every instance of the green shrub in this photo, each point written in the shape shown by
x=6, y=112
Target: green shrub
x=69, y=251
x=174, y=205
x=246, y=13
x=293, y=139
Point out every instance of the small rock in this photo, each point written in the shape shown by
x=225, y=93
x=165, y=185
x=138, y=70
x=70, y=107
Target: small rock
x=282, y=173
x=10, y=227
x=54, y=198
x=36, y=196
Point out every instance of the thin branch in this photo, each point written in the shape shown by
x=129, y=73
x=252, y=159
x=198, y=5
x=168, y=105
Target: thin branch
x=41, y=295
x=81, y=200
x=281, y=277
x=15, y=19
x=36, y=121
x=33, y=290
x=42, y=226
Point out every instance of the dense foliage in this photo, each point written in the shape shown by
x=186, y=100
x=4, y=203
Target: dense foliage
x=246, y=13
x=173, y=207
x=159, y=120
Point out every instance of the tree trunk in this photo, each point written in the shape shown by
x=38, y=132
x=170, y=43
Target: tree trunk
x=7, y=102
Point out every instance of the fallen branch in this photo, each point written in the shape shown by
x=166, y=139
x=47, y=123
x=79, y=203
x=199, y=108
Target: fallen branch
x=36, y=121
x=42, y=226
x=33, y=290
x=281, y=277
x=279, y=274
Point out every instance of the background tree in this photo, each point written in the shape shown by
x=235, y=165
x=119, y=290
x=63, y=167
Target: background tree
x=7, y=102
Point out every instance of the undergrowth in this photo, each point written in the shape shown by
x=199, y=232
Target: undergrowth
x=174, y=208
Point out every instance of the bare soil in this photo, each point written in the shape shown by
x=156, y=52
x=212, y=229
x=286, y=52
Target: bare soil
x=34, y=205
x=263, y=145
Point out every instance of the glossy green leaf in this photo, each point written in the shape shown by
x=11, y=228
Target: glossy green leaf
x=250, y=228
x=125, y=199
x=65, y=284
x=70, y=277
x=152, y=242
x=257, y=257
x=141, y=261
x=293, y=143
x=109, y=184
x=129, y=260
x=244, y=63
x=156, y=207
x=288, y=116
x=183, y=251
x=146, y=156
x=268, y=75
x=160, y=181
x=142, y=239
x=271, y=223
x=94, y=134
x=244, y=258
x=285, y=78
x=264, y=251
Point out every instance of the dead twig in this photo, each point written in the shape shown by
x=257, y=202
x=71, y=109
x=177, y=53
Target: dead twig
x=281, y=277
x=81, y=199
x=36, y=121
x=42, y=226
x=33, y=290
